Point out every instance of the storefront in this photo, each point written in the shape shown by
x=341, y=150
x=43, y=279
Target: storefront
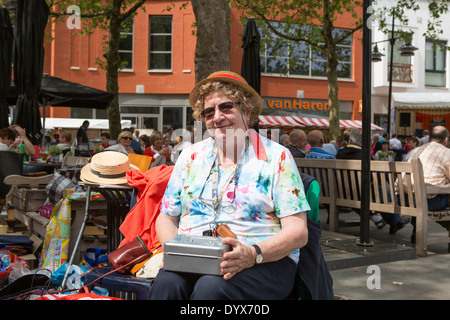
x=156, y=111
x=415, y=112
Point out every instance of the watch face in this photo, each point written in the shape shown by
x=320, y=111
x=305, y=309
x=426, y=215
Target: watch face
x=259, y=258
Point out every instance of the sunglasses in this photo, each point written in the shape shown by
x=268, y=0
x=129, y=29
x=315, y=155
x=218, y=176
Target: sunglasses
x=224, y=107
x=127, y=138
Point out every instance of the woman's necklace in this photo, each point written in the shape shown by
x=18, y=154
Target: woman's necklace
x=217, y=194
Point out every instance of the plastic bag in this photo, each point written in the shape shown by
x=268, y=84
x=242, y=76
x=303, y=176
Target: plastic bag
x=94, y=257
x=83, y=294
x=16, y=271
x=75, y=279
x=7, y=258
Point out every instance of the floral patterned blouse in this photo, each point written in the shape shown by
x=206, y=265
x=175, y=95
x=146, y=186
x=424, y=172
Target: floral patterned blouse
x=262, y=188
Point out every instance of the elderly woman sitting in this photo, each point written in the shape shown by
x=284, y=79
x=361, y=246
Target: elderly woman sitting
x=156, y=148
x=241, y=180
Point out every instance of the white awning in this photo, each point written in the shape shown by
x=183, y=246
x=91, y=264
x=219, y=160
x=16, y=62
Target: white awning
x=53, y=123
x=302, y=122
x=421, y=99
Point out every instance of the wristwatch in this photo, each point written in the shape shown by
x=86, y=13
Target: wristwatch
x=259, y=256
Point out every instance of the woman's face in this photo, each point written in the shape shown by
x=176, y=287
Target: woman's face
x=221, y=121
x=158, y=142
x=126, y=141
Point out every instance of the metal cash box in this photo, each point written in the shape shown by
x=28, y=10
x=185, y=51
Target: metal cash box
x=194, y=254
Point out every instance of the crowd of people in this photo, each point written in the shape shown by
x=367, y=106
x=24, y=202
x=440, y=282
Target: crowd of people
x=247, y=184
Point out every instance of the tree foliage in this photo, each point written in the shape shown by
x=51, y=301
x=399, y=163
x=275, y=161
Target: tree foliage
x=108, y=15
x=312, y=22
x=321, y=17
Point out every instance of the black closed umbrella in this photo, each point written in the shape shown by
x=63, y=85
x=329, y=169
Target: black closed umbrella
x=31, y=19
x=251, y=61
x=6, y=45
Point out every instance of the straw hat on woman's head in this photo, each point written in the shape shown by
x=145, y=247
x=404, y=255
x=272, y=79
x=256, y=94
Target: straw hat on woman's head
x=107, y=167
x=233, y=85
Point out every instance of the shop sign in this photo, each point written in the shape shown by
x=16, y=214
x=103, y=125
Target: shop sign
x=296, y=104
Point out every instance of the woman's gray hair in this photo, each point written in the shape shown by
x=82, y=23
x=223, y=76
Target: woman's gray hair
x=247, y=102
x=355, y=136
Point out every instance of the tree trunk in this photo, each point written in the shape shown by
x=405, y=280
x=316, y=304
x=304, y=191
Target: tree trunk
x=112, y=72
x=212, y=52
x=332, y=77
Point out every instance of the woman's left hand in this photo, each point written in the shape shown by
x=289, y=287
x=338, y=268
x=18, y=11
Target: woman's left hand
x=239, y=258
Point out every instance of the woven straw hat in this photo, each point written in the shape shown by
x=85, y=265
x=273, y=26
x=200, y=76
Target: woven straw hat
x=228, y=77
x=107, y=167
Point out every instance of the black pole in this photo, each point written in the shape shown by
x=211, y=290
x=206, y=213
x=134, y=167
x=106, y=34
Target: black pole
x=366, y=123
x=391, y=68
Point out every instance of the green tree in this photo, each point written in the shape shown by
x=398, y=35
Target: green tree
x=311, y=22
x=320, y=16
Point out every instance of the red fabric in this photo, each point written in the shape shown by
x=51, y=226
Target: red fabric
x=151, y=186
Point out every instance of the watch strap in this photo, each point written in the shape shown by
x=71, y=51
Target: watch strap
x=257, y=248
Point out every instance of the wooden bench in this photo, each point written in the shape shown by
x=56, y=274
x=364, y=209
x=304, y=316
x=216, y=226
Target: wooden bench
x=340, y=182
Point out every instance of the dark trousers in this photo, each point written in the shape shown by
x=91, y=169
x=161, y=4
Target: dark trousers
x=266, y=281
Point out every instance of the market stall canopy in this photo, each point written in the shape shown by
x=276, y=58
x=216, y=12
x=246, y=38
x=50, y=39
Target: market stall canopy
x=57, y=92
x=266, y=121
x=76, y=123
x=421, y=99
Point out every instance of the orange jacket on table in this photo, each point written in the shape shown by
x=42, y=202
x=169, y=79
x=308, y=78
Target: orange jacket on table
x=151, y=186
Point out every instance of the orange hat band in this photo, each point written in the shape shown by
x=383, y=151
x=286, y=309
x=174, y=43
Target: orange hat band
x=227, y=76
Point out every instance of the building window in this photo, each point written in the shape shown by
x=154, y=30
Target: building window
x=126, y=45
x=435, y=71
x=294, y=58
x=160, y=51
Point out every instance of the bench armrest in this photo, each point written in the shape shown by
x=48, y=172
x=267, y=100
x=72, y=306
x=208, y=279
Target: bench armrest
x=430, y=189
x=16, y=179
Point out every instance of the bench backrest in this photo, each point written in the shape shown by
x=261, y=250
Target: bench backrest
x=387, y=195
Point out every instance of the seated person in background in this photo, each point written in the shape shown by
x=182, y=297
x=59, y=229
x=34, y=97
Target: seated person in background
x=22, y=144
x=238, y=179
x=156, y=148
x=65, y=141
x=134, y=143
x=394, y=143
x=284, y=139
x=183, y=142
x=435, y=158
x=297, y=143
x=353, y=150
x=316, y=139
x=413, y=143
x=104, y=138
x=167, y=144
x=123, y=146
x=7, y=136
